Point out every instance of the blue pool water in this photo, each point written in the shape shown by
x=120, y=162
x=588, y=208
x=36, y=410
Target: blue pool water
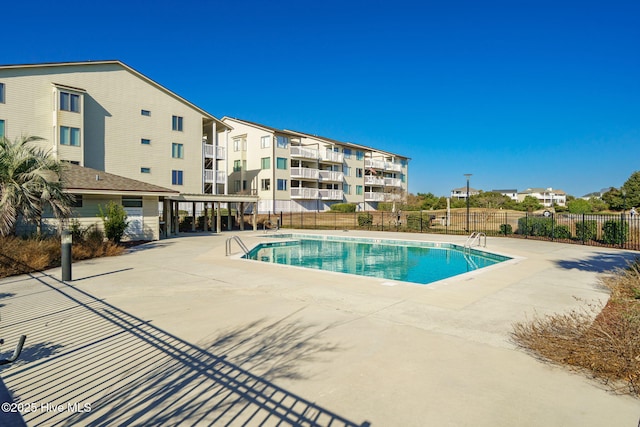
x=417, y=262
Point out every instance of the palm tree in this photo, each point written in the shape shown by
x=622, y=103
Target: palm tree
x=30, y=180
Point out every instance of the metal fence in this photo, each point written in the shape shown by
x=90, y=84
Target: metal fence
x=610, y=230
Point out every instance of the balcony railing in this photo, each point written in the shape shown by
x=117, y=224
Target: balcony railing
x=391, y=166
x=331, y=176
x=374, y=196
x=221, y=177
x=331, y=156
x=331, y=194
x=375, y=164
x=213, y=151
x=393, y=182
x=304, y=193
x=208, y=176
x=304, y=173
x=306, y=152
x=373, y=180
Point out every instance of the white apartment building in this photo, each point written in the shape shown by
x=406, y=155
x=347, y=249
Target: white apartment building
x=292, y=171
x=461, y=193
x=546, y=196
x=109, y=117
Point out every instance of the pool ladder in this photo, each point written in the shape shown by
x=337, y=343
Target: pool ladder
x=476, y=238
x=239, y=242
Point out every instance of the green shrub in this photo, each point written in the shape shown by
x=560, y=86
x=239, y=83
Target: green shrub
x=615, y=232
x=586, y=230
x=416, y=221
x=114, y=220
x=185, y=224
x=506, y=229
x=343, y=207
x=535, y=226
x=562, y=232
x=365, y=219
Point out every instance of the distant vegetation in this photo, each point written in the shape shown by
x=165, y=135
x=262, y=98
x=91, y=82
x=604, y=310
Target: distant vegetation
x=614, y=200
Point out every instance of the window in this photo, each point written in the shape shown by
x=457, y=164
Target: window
x=132, y=201
x=346, y=188
x=1, y=93
x=145, y=141
x=347, y=153
x=236, y=186
x=403, y=177
x=282, y=141
x=265, y=184
x=265, y=142
x=2, y=128
x=145, y=113
x=281, y=163
x=404, y=163
x=237, y=165
x=69, y=136
x=240, y=144
x=176, y=177
x=69, y=102
x=265, y=163
x=359, y=155
x=346, y=170
x=145, y=170
x=76, y=201
x=358, y=172
x=282, y=184
x=359, y=190
x=177, y=151
x=176, y=123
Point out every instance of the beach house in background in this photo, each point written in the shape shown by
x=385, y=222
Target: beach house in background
x=293, y=171
x=109, y=117
x=461, y=193
x=545, y=196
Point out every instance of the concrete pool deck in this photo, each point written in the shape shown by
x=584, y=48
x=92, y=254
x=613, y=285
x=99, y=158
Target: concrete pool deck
x=175, y=333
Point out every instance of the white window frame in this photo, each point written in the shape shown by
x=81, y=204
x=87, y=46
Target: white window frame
x=265, y=141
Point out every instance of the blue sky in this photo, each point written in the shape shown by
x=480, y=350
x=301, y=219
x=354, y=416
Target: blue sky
x=518, y=93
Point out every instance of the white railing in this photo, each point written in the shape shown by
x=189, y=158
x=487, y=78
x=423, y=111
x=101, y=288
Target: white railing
x=304, y=193
x=208, y=150
x=331, y=156
x=376, y=164
x=306, y=173
x=391, y=166
x=372, y=180
x=374, y=196
x=331, y=194
x=208, y=176
x=393, y=182
x=331, y=176
x=221, y=177
x=306, y=152
x=220, y=153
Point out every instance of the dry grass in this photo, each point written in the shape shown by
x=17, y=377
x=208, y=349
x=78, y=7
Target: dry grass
x=605, y=343
x=19, y=256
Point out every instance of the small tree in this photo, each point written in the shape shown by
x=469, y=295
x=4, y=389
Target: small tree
x=115, y=221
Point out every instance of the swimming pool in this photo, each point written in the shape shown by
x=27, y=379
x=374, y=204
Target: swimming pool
x=417, y=262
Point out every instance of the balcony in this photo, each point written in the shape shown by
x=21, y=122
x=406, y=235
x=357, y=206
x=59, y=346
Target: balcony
x=391, y=166
x=221, y=176
x=305, y=152
x=392, y=182
x=331, y=156
x=374, y=164
x=372, y=196
x=304, y=173
x=331, y=176
x=373, y=180
x=304, y=193
x=213, y=152
x=331, y=194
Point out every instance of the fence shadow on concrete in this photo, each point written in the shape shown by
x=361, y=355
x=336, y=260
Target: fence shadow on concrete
x=601, y=262
x=92, y=364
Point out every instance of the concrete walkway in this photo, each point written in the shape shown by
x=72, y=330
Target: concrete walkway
x=175, y=333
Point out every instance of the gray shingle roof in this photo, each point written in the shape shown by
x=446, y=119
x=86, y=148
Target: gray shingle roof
x=80, y=179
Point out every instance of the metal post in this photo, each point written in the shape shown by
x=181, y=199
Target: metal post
x=67, y=241
x=468, y=175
